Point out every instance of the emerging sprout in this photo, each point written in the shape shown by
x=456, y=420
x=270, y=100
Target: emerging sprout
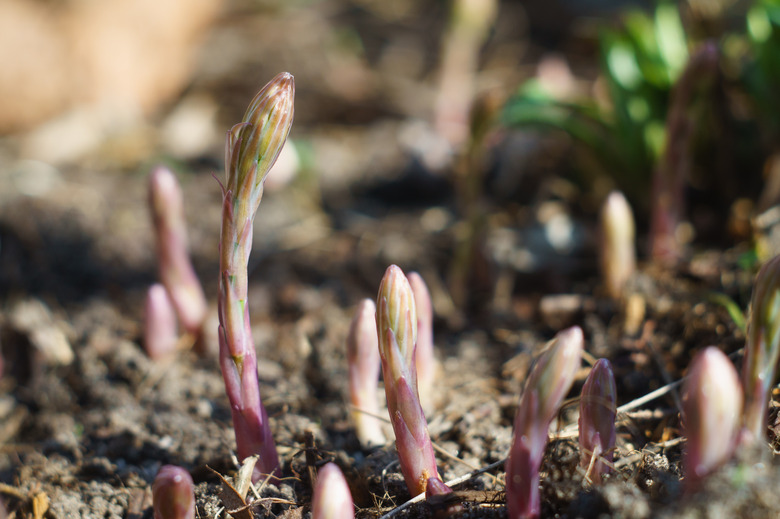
x=618, y=256
x=598, y=406
x=712, y=406
x=547, y=385
x=173, y=496
x=251, y=149
x=176, y=271
x=159, y=324
x=397, y=329
x=762, y=350
x=332, y=499
x=424, y=358
x=364, y=366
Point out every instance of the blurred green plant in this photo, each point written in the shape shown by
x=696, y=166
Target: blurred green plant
x=735, y=312
x=761, y=74
x=667, y=102
x=640, y=63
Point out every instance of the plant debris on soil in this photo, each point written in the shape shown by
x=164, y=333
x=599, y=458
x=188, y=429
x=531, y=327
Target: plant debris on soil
x=87, y=419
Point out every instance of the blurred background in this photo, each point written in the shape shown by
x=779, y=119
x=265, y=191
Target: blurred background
x=501, y=124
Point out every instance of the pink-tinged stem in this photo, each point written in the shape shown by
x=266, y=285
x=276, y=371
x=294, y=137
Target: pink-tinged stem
x=712, y=407
x=250, y=419
x=525, y=459
x=159, y=324
x=173, y=495
x=176, y=271
x=332, y=499
x=761, y=351
x=673, y=171
x=251, y=149
x=364, y=365
x=470, y=23
x=598, y=407
x=547, y=385
x=397, y=330
x=424, y=358
x=415, y=450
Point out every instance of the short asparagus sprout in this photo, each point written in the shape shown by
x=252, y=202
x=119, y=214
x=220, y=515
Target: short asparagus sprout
x=173, y=496
x=598, y=407
x=397, y=330
x=547, y=385
x=251, y=149
x=424, y=358
x=712, y=406
x=159, y=323
x=332, y=499
x=364, y=366
x=761, y=351
x=176, y=271
x=618, y=244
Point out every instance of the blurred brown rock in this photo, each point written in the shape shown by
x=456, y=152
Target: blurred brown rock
x=127, y=56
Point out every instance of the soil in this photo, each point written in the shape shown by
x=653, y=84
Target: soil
x=88, y=418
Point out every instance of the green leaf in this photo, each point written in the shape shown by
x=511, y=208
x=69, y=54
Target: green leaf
x=733, y=309
x=622, y=65
x=671, y=39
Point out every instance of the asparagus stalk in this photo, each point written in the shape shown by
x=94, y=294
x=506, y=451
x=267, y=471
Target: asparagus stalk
x=598, y=407
x=159, y=323
x=251, y=149
x=618, y=244
x=672, y=171
x=173, y=496
x=332, y=499
x=364, y=366
x=546, y=386
x=397, y=330
x=761, y=351
x=712, y=407
x=424, y=358
x=176, y=271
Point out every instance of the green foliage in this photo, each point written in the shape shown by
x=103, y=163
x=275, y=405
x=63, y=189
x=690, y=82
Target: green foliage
x=733, y=309
x=640, y=62
x=762, y=71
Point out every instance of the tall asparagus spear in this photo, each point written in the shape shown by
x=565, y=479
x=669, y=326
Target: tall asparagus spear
x=251, y=149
